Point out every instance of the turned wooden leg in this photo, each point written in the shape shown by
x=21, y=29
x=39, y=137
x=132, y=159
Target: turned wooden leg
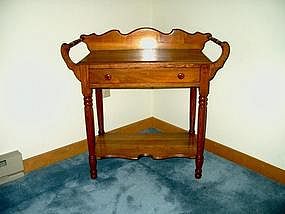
x=89, y=120
x=99, y=107
x=202, y=114
x=192, y=114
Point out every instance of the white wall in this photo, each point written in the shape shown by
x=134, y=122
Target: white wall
x=246, y=102
x=41, y=103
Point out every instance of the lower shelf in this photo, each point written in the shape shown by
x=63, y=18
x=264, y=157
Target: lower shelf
x=157, y=146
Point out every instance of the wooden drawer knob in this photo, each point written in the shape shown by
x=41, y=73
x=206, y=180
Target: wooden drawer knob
x=108, y=76
x=180, y=76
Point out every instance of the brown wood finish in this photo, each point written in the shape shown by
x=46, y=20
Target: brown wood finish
x=90, y=130
x=122, y=78
x=157, y=146
x=56, y=155
x=202, y=115
x=115, y=40
x=145, y=58
x=161, y=56
x=247, y=161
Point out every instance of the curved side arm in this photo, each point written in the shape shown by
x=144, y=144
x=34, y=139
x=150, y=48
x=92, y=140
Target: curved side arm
x=65, y=48
x=219, y=63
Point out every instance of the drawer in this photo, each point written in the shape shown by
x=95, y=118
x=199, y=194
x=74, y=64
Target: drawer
x=140, y=76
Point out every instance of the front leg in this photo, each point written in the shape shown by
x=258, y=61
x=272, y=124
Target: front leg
x=202, y=118
x=89, y=121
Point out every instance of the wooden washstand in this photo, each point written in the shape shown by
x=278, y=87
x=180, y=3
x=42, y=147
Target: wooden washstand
x=145, y=58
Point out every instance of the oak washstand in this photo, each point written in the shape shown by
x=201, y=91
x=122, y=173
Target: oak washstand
x=145, y=58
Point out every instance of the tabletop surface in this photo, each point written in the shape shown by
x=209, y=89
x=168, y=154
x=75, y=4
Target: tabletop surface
x=187, y=56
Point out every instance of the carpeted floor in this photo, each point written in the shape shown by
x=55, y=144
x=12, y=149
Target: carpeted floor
x=145, y=186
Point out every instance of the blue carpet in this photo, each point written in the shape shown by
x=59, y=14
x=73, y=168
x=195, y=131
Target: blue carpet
x=145, y=186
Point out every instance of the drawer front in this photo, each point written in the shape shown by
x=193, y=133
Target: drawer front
x=140, y=76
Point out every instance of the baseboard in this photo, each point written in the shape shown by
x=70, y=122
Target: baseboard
x=247, y=161
x=54, y=156
x=237, y=157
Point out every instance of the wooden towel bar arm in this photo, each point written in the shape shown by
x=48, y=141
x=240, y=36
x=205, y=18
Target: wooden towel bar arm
x=219, y=63
x=65, y=48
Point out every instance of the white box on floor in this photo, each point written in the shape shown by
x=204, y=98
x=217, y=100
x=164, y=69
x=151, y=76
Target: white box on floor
x=11, y=166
